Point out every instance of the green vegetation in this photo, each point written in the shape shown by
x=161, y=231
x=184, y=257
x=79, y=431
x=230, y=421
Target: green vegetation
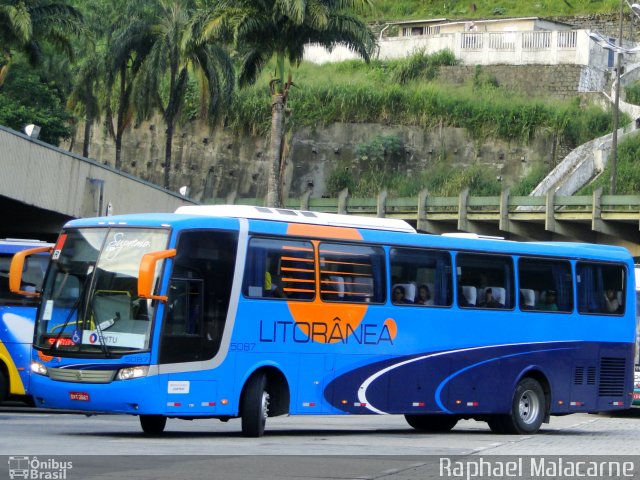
x=117, y=61
x=390, y=10
x=360, y=93
x=421, y=67
x=627, y=171
x=633, y=93
x=264, y=30
x=383, y=162
x=27, y=97
x=530, y=181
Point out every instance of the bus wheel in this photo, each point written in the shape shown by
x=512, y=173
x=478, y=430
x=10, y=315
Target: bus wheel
x=527, y=409
x=432, y=423
x=255, y=406
x=153, y=424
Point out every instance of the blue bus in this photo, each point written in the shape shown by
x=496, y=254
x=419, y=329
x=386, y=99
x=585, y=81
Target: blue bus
x=17, y=315
x=250, y=312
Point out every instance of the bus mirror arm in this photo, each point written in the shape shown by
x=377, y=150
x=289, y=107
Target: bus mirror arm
x=17, y=266
x=147, y=273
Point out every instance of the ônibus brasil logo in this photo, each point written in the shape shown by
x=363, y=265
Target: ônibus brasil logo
x=38, y=469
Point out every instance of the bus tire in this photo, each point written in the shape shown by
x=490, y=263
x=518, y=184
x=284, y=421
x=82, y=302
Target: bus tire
x=153, y=424
x=528, y=408
x=255, y=406
x=432, y=423
x=4, y=385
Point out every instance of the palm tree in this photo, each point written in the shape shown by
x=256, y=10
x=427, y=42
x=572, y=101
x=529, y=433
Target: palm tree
x=83, y=99
x=175, y=54
x=264, y=29
x=26, y=24
x=125, y=55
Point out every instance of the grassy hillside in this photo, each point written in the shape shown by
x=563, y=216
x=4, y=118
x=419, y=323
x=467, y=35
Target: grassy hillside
x=407, y=92
x=389, y=10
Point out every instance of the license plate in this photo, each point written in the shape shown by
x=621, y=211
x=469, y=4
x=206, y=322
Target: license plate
x=79, y=396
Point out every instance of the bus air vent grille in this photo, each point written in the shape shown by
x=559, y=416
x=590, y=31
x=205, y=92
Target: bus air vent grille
x=612, y=377
x=81, y=376
x=591, y=375
x=578, y=377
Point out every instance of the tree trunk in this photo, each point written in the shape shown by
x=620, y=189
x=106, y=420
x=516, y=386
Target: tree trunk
x=167, y=155
x=122, y=105
x=274, y=185
x=88, y=122
x=119, y=149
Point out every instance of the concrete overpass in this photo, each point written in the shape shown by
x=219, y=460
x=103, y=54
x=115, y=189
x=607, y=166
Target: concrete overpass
x=41, y=187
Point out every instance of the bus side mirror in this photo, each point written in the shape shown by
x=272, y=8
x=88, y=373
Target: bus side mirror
x=147, y=273
x=17, y=266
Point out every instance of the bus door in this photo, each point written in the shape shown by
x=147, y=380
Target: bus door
x=195, y=317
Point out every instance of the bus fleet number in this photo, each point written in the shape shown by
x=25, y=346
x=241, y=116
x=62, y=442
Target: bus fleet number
x=242, y=347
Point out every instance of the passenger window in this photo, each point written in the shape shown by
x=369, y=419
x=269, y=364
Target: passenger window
x=545, y=285
x=601, y=288
x=484, y=281
x=278, y=268
x=351, y=273
x=422, y=276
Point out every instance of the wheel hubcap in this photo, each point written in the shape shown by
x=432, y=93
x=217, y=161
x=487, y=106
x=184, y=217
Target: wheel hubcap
x=529, y=407
x=265, y=406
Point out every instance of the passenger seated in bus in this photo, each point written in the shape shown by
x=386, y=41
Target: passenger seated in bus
x=549, y=302
x=272, y=286
x=489, y=301
x=524, y=305
x=611, y=301
x=399, y=295
x=462, y=298
x=424, y=296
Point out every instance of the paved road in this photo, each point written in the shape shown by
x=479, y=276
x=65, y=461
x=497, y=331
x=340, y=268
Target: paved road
x=353, y=447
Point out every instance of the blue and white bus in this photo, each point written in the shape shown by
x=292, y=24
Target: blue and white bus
x=249, y=312
x=18, y=314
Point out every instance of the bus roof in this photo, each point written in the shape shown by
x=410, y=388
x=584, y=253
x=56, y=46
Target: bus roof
x=13, y=245
x=379, y=230
x=297, y=216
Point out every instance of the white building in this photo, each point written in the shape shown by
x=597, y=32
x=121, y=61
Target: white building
x=515, y=41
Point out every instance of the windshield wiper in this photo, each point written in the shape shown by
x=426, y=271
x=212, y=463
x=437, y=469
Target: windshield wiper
x=74, y=307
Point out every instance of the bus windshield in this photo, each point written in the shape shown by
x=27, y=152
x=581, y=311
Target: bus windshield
x=90, y=302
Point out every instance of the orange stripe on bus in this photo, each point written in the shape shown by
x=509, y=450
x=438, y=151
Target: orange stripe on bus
x=331, y=272
x=342, y=252
x=303, y=280
x=335, y=262
x=298, y=259
x=297, y=249
x=305, y=230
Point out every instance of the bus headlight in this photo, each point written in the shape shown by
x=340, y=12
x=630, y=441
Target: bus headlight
x=38, y=368
x=132, y=372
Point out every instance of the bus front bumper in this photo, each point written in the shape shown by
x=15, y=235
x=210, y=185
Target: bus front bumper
x=136, y=396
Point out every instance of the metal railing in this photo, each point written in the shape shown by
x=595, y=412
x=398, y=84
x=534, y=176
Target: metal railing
x=621, y=207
